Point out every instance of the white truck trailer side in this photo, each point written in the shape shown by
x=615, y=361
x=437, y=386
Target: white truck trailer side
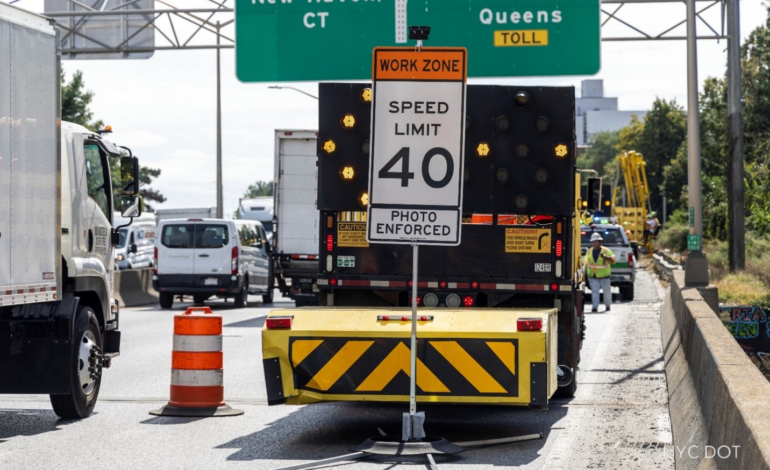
x=58, y=319
x=295, y=238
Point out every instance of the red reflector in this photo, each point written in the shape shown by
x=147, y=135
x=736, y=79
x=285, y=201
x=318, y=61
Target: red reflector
x=554, y=286
x=385, y=317
x=559, y=248
x=468, y=301
x=329, y=243
x=404, y=318
x=332, y=282
x=410, y=283
x=442, y=284
x=475, y=285
x=423, y=318
x=529, y=324
x=278, y=322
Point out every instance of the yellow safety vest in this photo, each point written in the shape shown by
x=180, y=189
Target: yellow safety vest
x=598, y=268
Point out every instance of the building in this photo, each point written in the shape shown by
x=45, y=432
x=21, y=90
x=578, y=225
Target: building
x=596, y=113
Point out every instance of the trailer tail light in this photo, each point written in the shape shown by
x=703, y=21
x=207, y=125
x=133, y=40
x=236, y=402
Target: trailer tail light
x=554, y=287
x=155, y=262
x=529, y=324
x=332, y=282
x=468, y=301
x=559, y=248
x=558, y=268
x=329, y=243
x=278, y=323
x=419, y=300
x=234, y=262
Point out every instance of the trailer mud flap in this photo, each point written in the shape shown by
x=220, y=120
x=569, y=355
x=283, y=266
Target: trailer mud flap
x=350, y=355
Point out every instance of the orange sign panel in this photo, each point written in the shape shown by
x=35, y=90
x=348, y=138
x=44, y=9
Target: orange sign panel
x=428, y=64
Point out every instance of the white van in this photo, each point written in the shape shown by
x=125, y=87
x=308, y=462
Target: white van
x=206, y=258
x=136, y=246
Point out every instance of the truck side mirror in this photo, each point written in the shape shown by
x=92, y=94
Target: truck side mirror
x=133, y=248
x=129, y=175
x=130, y=206
x=594, y=194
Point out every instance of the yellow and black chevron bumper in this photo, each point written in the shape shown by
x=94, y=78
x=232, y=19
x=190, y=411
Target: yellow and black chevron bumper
x=463, y=356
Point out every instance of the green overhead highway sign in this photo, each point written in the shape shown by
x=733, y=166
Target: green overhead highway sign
x=295, y=40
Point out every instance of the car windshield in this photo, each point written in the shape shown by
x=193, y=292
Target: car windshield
x=611, y=236
x=194, y=236
x=123, y=235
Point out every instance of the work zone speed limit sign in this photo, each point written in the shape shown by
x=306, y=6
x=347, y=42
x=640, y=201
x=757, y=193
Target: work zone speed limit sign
x=416, y=158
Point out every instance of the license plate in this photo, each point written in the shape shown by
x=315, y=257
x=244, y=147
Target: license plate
x=210, y=281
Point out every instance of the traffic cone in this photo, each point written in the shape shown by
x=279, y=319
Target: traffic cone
x=197, y=386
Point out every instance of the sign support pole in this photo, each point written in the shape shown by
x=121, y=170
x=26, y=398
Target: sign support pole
x=413, y=348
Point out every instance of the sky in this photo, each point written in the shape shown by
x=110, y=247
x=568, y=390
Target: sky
x=164, y=108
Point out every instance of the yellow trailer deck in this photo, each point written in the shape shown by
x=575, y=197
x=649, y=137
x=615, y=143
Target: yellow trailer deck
x=484, y=356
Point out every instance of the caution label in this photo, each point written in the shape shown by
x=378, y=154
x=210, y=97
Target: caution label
x=527, y=240
x=352, y=234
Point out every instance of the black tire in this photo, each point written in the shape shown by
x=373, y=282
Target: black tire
x=166, y=300
x=80, y=402
x=241, y=298
x=200, y=299
x=627, y=292
x=570, y=390
x=268, y=298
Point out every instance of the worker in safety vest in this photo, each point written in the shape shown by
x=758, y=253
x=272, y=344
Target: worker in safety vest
x=598, y=262
x=652, y=226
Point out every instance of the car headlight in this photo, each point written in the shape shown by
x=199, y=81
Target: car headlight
x=120, y=258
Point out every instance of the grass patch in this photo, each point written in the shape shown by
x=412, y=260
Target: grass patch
x=742, y=289
x=748, y=287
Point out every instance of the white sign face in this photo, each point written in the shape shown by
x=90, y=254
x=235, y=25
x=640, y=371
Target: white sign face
x=416, y=157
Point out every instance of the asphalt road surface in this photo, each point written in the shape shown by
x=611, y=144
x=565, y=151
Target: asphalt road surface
x=619, y=418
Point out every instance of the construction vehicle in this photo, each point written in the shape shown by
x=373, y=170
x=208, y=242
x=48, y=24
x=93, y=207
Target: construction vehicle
x=60, y=185
x=631, y=207
x=500, y=317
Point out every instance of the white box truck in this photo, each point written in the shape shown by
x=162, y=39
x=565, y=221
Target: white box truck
x=59, y=183
x=295, y=226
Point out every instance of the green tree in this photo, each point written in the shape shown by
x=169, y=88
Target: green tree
x=76, y=103
x=602, y=152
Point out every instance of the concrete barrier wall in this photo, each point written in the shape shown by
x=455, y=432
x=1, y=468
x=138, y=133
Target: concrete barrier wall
x=718, y=399
x=133, y=287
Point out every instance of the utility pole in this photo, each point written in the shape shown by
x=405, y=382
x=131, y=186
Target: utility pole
x=220, y=208
x=696, y=268
x=735, y=187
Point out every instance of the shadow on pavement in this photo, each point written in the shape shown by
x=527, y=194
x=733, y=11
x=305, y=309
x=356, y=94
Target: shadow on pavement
x=328, y=430
x=250, y=323
x=29, y=422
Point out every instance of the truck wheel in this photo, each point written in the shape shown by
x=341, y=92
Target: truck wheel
x=570, y=390
x=166, y=300
x=200, y=299
x=86, y=372
x=627, y=292
x=268, y=298
x=241, y=298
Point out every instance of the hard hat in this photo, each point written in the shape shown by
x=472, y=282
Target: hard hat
x=649, y=216
x=596, y=237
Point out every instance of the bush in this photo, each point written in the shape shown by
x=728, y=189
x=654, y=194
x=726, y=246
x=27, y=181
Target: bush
x=673, y=237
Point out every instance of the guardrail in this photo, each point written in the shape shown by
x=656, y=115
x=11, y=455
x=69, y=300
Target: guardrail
x=718, y=399
x=133, y=287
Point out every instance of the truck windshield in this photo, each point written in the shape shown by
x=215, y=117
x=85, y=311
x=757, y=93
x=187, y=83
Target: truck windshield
x=194, y=236
x=268, y=227
x=123, y=235
x=611, y=236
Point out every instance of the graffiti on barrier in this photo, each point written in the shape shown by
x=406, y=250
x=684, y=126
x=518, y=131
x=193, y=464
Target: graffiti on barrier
x=750, y=328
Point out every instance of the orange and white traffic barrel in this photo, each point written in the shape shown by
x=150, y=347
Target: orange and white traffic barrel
x=197, y=367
